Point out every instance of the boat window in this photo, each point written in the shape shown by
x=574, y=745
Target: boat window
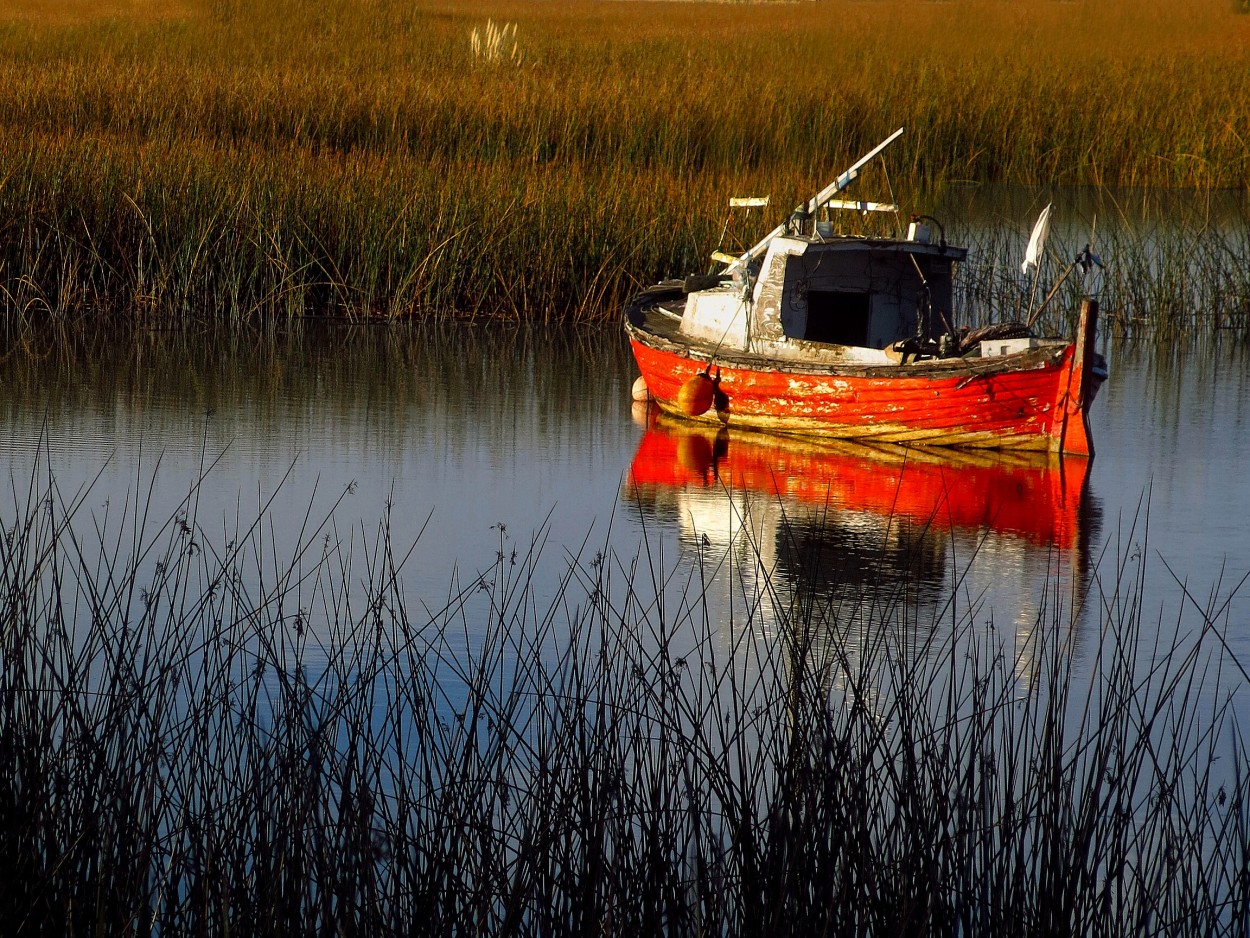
x=837, y=317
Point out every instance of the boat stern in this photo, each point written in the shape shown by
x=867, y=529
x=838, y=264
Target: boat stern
x=1086, y=372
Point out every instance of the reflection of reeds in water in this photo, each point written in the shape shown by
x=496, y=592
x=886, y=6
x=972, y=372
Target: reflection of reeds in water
x=469, y=375
x=194, y=738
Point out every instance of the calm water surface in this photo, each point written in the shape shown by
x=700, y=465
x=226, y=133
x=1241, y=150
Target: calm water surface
x=469, y=442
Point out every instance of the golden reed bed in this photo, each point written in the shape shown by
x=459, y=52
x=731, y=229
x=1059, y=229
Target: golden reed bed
x=357, y=156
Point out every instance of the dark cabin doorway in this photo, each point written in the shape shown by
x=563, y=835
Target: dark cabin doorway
x=837, y=317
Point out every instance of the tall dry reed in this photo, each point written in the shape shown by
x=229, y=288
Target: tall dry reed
x=200, y=158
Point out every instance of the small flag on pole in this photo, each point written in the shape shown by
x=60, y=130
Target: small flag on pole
x=1037, y=242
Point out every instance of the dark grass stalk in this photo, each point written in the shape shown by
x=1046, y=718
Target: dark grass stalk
x=209, y=734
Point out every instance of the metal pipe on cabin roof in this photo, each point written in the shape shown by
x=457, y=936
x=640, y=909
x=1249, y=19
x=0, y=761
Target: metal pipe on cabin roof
x=940, y=227
x=824, y=195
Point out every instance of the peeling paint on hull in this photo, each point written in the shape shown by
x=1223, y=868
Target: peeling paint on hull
x=1037, y=400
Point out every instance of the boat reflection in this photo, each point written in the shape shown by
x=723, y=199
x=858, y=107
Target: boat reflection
x=859, y=529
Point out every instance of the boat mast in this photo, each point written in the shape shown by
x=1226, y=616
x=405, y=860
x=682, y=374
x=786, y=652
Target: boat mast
x=812, y=204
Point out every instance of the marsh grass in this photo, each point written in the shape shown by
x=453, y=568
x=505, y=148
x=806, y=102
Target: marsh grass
x=1163, y=282
x=491, y=43
x=237, y=158
x=209, y=732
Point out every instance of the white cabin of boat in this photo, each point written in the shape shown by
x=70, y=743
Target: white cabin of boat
x=837, y=298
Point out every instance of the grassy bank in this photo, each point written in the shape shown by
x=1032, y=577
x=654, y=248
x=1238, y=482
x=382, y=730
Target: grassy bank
x=201, y=158
x=199, y=740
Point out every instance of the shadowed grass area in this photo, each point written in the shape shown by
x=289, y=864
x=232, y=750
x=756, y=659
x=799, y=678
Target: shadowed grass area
x=209, y=732
x=209, y=158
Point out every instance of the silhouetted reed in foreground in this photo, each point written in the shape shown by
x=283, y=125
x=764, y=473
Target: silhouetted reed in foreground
x=200, y=738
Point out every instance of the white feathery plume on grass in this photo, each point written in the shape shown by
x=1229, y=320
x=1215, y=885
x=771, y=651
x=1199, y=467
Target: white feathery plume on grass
x=490, y=43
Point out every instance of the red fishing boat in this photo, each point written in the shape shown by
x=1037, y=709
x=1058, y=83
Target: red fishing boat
x=814, y=333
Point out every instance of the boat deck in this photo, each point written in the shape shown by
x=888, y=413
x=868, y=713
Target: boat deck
x=658, y=325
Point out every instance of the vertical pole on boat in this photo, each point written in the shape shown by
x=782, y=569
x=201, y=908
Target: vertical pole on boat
x=1073, y=424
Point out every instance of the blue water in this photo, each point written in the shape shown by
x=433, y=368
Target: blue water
x=465, y=444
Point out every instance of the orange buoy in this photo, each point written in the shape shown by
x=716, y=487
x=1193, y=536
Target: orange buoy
x=695, y=396
x=694, y=453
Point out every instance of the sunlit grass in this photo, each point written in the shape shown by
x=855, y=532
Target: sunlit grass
x=348, y=156
x=76, y=12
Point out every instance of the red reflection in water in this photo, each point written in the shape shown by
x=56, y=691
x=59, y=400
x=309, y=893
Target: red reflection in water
x=1038, y=498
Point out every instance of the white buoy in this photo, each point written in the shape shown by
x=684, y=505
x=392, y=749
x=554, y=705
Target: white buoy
x=641, y=392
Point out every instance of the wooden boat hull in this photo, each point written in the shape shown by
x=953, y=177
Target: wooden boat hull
x=1033, y=400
